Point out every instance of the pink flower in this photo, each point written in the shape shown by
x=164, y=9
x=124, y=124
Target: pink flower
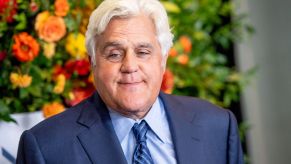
x=33, y=7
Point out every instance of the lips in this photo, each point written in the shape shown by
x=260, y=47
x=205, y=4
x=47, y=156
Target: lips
x=129, y=83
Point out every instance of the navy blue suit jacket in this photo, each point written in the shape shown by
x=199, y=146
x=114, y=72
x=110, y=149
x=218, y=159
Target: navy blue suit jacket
x=202, y=134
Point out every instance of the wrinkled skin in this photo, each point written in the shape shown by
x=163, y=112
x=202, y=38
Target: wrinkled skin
x=129, y=66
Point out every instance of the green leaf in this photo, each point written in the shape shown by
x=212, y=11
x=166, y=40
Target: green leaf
x=3, y=108
x=5, y=113
x=171, y=7
x=71, y=23
x=45, y=4
x=23, y=93
x=21, y=18
x=35, y=91
x=3, y=28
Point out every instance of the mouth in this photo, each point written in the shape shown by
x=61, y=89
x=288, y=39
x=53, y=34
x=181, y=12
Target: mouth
x=130, y=84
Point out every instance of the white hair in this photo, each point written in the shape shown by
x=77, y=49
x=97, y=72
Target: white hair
x=109, y=9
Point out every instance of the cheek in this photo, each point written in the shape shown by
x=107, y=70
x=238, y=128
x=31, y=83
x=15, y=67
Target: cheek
x=155, y=73
x=106, y=74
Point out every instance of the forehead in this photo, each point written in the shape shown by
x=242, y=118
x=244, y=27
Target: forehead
x=138, y=28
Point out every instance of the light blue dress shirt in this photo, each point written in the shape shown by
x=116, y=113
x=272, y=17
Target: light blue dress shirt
x=159, y=140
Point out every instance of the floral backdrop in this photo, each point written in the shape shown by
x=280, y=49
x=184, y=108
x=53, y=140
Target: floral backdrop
x=44, y=64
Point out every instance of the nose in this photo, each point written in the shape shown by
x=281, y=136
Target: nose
x=129, y=63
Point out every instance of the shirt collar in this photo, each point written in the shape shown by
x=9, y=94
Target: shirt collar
x=155, y=118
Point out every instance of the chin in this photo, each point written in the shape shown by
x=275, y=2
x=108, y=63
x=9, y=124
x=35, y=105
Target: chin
x=136, y=106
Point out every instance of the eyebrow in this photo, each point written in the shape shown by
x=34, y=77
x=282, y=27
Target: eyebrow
x=145, y=45
x=111, y=44
x=119, y=44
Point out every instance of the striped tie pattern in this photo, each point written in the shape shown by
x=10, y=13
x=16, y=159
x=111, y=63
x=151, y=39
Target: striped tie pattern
x=141, y=153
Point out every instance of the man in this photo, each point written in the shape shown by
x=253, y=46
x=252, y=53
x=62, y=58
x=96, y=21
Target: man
x=128, y=119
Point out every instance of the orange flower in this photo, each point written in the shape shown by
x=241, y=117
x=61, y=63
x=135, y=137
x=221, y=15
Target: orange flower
x=168, y=82
x=21, y=81
x=41, y=19
x=173, y=52
x=186, y=43
x=61, y=7
x=183, y=59
x=91, y=78
x=50, y=28
x=25, y=47
x=51, y=109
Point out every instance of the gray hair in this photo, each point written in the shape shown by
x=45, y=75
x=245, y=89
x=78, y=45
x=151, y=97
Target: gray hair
x=109, y=9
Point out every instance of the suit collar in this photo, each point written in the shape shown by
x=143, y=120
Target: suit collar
x=185, y=130
x=99, y=139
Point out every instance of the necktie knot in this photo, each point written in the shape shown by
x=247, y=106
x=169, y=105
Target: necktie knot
x=140, y=131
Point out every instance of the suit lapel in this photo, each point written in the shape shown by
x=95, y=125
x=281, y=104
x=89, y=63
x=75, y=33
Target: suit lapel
x=99, y=139
x=102, y=146
x=185, y=129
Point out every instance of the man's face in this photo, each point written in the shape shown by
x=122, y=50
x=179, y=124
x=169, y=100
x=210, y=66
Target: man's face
x=129, y=66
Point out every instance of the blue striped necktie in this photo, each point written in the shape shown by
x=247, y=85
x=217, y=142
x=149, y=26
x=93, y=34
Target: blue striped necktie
x=141, y=153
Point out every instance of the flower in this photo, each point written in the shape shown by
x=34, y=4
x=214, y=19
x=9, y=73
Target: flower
x=183, y=59
x=43, y=58
x=41, y=19
x=50, y=109
x=91, y=78
x=82, y=67
x=168, y=82
x=19, y=80
x=186, y=43
x=58, y=69
x=8, y=8
x=44, y=64
x=49, y=27
x=25, y=47
x=75, y=45
x=79, y=94
x=33, y=7
x=60, y=84
x=61, y=7
x=173, y=52
x=49, y=49
x=3, y=55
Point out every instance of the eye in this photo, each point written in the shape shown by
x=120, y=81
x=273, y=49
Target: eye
x=114, y=55
x=143, y=53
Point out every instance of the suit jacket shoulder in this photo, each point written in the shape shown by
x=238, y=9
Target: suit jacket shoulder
x=202, y=131
x=195, y=106
x=81, y=134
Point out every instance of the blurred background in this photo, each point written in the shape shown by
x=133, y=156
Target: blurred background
x=266, y=102
x=234, y=53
